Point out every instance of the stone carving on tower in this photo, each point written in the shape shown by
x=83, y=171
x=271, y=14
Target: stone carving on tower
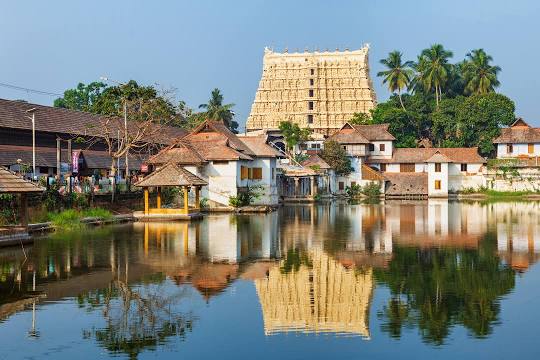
x=317, y=90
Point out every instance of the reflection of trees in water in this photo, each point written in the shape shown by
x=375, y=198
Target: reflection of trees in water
x=435, y=289
x=137, y=318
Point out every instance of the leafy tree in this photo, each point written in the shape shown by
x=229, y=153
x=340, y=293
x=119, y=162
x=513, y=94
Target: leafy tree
x=216, y=110
x=360, y=119
x=407, y=126
x=398, y=75
x=82, y=98
x=479, y=75
x=293, y=134
x=336, y=157
x=433, y=70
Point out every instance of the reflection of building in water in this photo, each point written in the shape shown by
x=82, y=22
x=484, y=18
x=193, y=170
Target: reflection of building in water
x=321, y=296
x=518, y=232
x=439, y=223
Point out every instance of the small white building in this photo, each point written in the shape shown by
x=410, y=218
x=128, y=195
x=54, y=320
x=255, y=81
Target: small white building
x=517, y=141
x=434, y=172
x=229, y=163
x=363, y=142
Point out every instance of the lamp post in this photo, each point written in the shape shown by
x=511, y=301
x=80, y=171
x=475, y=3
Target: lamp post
x=33, y=118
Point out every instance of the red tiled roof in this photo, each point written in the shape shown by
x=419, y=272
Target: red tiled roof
x=315, y=160
x=259, y=146
x=518, y=133
x=362, y=134
x=13, y=183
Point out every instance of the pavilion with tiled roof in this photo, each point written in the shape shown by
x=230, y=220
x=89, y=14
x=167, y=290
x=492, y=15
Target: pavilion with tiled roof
x=170, y=175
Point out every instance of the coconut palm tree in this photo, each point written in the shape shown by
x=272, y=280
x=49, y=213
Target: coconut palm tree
x=398, y=75
x=433, y=70
x=479, y=75
x=216, y=110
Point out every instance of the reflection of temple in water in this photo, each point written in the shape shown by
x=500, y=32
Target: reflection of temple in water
x=320, y=296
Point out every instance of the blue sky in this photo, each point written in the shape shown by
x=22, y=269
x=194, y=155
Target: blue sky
x=195, y=46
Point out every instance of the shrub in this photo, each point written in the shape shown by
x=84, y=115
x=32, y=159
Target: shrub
x=353, y=190
x=371, y=190
x=247, y=197
x=8, y=213
x=169, y=194
x=66, y=219
x=203, y=203
x=97, y=213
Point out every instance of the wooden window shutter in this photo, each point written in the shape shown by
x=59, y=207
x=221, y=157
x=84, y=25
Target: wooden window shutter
x=250, y=173
x=257, y=173
x=531, y=148
x=243, y=173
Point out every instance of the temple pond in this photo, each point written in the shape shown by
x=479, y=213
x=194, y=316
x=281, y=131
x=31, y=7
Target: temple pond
x=401, y=279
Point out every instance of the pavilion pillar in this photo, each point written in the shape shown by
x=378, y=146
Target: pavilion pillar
x=24, y=210
x=146, y=205
x=313, y=186
x=296, y=187
x=197, y=196
x=186, y=199
x=158, y=200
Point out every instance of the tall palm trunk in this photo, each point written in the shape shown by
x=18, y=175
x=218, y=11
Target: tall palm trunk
x=401, y=100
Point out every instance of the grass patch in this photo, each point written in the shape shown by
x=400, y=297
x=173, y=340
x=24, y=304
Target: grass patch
x=495, y=193
x=97, y=212
x=72, y=219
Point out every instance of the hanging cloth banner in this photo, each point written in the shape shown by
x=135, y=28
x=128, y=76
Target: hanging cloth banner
x=75, y=160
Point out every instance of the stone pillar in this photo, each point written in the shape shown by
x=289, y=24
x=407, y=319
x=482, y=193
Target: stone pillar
x=186, y=199
x=146, y=205
x=313, y=186
x=158, y=200
x=197, y=196
x=296, y=187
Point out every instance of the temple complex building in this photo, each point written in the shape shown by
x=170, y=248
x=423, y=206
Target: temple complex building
x=317, y=90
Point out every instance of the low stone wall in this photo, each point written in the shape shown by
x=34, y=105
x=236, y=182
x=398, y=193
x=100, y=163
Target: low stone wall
x=516, y=179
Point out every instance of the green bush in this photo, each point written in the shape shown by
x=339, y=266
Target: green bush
x=98, y=213
x=203, y=203
x=353, y=191
x=8, y=213
x=66, y=219
x=247, y=197
x=371, y=190
x=169, y=194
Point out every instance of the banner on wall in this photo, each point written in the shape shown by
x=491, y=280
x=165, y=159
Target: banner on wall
x=75, y=160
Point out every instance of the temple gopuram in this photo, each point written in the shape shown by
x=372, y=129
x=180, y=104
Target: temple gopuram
x=317, y=90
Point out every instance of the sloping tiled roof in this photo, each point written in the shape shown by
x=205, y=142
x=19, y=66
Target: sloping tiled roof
x=13, y=183
x=518, y=133
x=181, y=153
x=211, y=140
x=362, y=134
x=316, y=160
x=376, y=132
x=438, y=158
x=171, y=175
x=259, y=146
x=348, y=135
x=13, y=114
x=371, y=174
x=421, y=155
x=400, y=184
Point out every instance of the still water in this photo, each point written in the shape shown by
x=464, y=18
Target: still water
x=402, y=280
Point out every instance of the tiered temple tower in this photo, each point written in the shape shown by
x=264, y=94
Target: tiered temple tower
x=318, y=90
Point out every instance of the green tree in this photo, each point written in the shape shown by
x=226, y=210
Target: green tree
x=433, y=70
x=398, y=74
x=336, y=157
x=82, y=98
x=293, y=134
x=216, y=110
x=360, y=119
x=479, y=75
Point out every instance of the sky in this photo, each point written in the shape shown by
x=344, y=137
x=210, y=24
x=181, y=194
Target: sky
x=195, y=46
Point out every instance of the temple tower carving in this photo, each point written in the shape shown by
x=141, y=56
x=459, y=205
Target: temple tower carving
x=317, y=90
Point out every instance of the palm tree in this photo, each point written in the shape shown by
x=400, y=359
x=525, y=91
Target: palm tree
x=216, y=110
x=433, y=70
x=479, y=75
x=398, y=75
